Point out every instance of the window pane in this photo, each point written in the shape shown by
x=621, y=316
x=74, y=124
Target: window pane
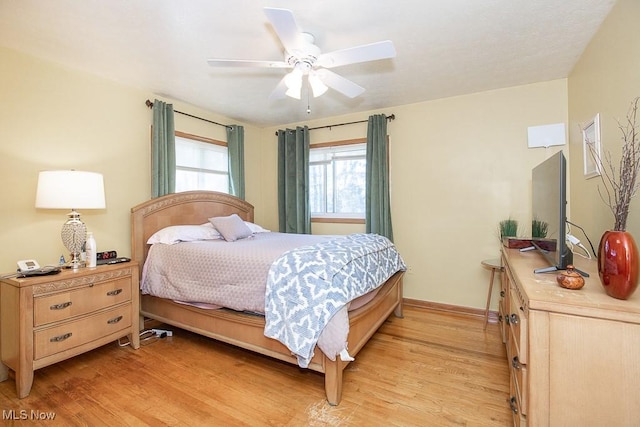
x=201, y=166
x=188, y=180
x=350, y=186
x=337, y=180
x=317, y=188
x=215, y=159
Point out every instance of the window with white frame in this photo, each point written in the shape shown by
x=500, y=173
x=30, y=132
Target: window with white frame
x=201, y=164
x=337, y=176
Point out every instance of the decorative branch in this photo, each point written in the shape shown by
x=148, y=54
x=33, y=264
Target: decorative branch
x=621, y=184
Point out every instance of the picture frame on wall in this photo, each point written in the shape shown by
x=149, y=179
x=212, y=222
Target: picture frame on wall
x=591, y=149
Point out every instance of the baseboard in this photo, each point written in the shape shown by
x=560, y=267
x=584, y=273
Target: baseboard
x=449, y=308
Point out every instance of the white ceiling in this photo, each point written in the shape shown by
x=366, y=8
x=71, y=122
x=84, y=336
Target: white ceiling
x=444, y=47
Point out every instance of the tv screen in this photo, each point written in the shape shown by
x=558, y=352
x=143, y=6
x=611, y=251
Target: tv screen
x=549, y=202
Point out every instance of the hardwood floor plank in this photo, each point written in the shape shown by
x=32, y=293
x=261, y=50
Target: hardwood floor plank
x=428, y=368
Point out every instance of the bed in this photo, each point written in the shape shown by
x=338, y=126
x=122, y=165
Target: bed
x=241, y=329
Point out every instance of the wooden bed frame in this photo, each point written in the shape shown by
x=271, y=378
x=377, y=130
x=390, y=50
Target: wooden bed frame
x=239, y=329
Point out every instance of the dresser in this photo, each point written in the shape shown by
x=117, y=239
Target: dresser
x=574, y=355
x=47, y=319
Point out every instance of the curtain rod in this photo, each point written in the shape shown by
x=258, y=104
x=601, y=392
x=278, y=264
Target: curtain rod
x=150, y=105
x=391, y=117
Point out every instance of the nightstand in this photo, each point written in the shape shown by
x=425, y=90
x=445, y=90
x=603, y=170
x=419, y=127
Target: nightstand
x=47, y=319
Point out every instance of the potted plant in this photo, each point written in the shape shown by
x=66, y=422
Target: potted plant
x=617, y=251
x=508, y=230
x=539, y=229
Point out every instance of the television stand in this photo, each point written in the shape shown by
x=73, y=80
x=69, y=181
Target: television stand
x=558, y=338
x=555, y=268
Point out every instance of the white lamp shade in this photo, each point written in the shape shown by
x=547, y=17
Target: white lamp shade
x=70, y=189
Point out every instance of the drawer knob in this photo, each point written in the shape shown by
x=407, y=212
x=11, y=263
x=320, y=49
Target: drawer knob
x=514, y=404
x=60, y=306
x=514, y=319
x=61, y=337
x=502, y=294
x=516, y=363
x=114, y=320
x=114, y=292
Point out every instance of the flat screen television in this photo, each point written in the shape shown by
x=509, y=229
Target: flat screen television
x=549, y=202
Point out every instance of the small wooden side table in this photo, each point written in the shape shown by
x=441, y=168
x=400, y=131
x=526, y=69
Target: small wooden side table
x=493, y=265
x=47, y=319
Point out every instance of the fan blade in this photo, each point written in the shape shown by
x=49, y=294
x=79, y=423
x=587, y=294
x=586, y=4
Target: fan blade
x=247, y=63
x=339, y=83
x=364, y=53
x=286, y=28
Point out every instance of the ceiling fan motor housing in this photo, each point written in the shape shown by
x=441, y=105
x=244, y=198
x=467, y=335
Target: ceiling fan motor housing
x=304, y=57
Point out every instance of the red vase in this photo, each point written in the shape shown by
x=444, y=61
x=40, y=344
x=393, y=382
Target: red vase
x=618, y=264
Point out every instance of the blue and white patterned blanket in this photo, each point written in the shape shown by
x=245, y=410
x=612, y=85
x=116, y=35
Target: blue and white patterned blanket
x=308, y=285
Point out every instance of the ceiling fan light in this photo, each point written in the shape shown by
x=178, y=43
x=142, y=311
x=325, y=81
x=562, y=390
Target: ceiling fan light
x=293, y=81
x=294, y=92
x=317, y=86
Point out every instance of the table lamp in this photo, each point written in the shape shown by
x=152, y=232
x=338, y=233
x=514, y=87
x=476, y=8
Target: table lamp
x=71, y=189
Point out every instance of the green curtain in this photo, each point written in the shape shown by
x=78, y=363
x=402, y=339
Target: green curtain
x=378, y=203
x=293, y=181
x=163, y=150
x=235, y=146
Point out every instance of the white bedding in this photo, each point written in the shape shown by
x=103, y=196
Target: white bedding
x=217, y=273
x=227, y=274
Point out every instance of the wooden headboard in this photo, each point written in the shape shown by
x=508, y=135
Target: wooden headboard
x=190, y=207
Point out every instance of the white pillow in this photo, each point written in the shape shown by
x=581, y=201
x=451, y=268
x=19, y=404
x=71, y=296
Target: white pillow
x=184, y=233
x=255, y=228
x=231, y=227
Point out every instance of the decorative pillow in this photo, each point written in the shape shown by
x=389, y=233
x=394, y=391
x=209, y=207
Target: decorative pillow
x=184, y=233
x=255, y=228
x=231, y=227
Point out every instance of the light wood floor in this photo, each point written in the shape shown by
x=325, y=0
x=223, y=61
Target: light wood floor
x=427, y=369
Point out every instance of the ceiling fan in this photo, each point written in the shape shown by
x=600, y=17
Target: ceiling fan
x=306, y=59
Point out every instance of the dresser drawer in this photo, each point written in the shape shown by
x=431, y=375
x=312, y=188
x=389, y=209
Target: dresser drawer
x=503, y=303
x=71, y=334
x=76, y=302
x=501, y=320
x=519, y=419
x=518, y=374
x=517, y=320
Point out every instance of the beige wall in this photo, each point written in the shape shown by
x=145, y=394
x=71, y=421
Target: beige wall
x=458, y=166
x=605, y=80
x=55, y=118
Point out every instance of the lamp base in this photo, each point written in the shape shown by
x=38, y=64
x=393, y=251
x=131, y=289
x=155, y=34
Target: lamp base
x=74, y=234
x=75, y=264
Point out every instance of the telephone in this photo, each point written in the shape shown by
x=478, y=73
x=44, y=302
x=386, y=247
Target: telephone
x=30, y=267
x=27, y=265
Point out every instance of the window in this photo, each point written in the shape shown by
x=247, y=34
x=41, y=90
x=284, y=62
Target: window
x=201, y=164
x=337, y=180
